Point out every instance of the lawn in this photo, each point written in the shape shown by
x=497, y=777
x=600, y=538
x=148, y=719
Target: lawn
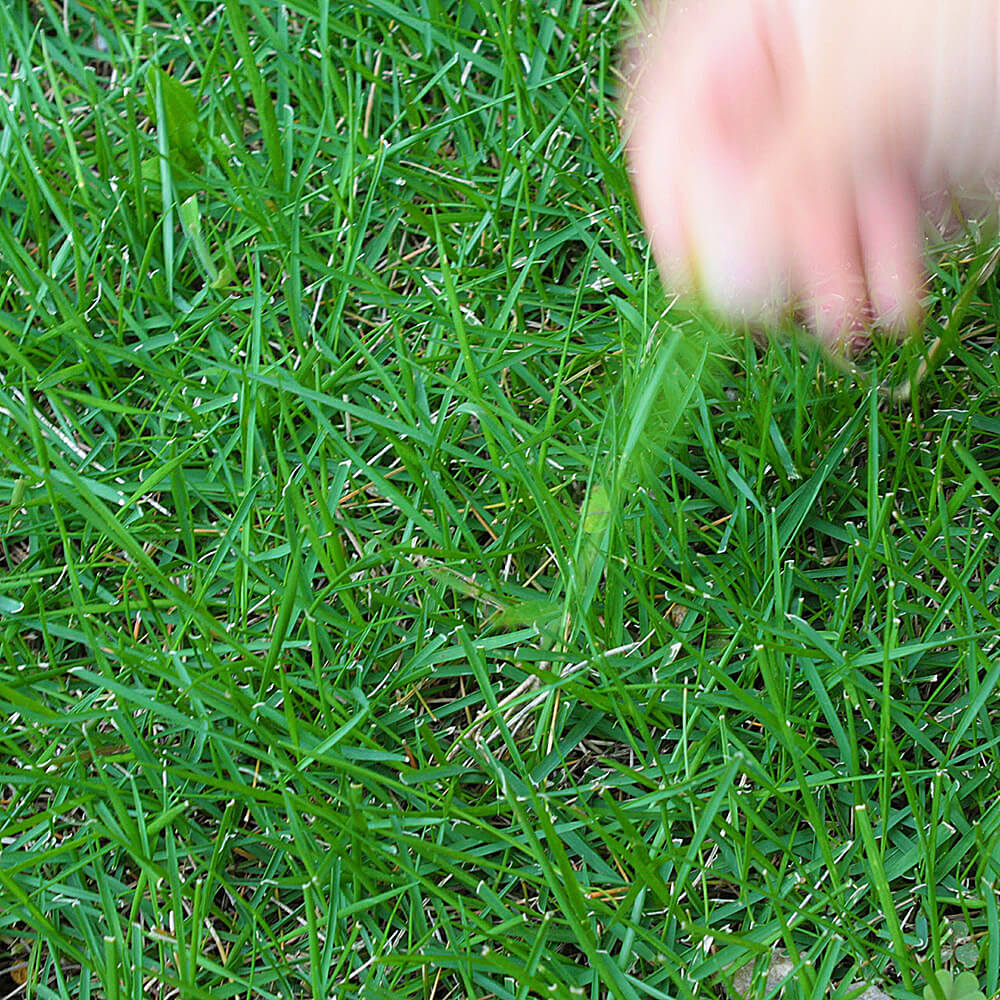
x=401, y=597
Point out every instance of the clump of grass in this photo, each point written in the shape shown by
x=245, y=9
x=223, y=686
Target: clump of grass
x=384, y=613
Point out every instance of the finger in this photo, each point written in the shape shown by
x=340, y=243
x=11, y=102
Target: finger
x=825, y=256
x=737, y=255
x=728, y=124
x=656, y=162
x=889, y=234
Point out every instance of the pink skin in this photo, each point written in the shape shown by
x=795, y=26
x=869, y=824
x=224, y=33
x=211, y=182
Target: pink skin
x=782, y=149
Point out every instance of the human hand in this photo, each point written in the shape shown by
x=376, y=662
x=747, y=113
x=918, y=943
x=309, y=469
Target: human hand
x=782, y=150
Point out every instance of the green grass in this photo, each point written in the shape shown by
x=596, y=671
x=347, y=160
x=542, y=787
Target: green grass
x=321, y=675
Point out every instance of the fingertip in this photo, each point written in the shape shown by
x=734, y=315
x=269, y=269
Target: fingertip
x=839, y=312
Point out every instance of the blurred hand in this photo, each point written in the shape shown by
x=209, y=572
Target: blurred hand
x=782, y=149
